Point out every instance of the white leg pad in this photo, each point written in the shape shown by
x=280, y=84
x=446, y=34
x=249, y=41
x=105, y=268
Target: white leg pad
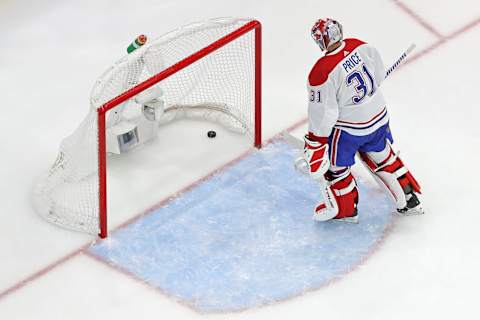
x=328, y=209
x=391, y=173
x=391, y=183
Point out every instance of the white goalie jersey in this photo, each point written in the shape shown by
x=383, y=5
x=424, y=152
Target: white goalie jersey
x=343, y=91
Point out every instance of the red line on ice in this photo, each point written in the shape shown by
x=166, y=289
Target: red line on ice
x=418, y=19
x=42, y=272
x=442, y=41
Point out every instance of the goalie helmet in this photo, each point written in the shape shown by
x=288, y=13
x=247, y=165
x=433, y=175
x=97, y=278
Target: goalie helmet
x=327, y=32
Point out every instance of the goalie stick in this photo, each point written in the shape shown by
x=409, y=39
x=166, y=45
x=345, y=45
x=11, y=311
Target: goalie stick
x=299, y=144
x=399, y=60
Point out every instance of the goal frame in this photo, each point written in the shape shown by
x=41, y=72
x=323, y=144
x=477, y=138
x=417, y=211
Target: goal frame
x=251, y=26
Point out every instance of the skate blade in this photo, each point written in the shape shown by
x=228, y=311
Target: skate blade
x=417, y=211
x=353, y=220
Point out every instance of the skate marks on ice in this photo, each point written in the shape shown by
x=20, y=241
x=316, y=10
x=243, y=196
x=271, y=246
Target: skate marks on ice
x=245, y=238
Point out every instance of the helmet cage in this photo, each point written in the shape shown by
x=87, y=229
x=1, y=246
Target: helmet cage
x=327, y=32
x=318, y=37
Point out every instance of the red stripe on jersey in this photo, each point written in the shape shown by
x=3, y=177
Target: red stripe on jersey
x=326, y=64
x=336, y=135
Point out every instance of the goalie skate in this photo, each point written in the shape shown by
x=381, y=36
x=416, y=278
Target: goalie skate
x=413, y=207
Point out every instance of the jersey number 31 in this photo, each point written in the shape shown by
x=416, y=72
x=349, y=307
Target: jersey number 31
x=357, y=78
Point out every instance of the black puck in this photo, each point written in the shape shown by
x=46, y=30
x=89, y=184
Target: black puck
x=211, y=134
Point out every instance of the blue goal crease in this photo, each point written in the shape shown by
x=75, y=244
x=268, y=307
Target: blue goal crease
x=245, y=238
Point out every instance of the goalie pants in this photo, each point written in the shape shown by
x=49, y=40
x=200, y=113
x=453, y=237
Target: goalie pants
x=343, y=146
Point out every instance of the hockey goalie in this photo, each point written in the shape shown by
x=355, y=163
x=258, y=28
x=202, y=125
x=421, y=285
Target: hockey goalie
x=348, y=116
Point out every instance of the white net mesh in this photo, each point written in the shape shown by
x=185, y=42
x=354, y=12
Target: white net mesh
x=68, y=193
x=218, y=87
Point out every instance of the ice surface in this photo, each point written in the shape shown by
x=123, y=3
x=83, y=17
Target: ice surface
x=245, y=237
x=54, y=50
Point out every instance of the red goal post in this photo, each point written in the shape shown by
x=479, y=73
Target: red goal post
x=214, y=64
x=254, y=26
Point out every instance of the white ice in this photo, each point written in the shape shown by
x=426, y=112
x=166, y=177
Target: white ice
x=51, y=53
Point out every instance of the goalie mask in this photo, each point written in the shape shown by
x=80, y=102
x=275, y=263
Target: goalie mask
x=326, y=32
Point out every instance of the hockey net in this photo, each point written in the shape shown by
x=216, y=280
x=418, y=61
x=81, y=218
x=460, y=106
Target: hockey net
x=208, y=70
